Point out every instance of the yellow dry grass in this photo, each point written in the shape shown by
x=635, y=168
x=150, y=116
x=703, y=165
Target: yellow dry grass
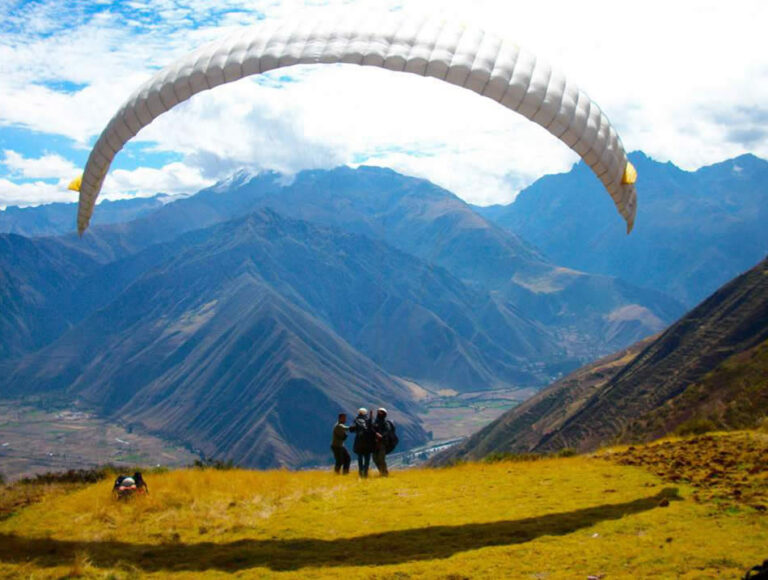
x=553, y=518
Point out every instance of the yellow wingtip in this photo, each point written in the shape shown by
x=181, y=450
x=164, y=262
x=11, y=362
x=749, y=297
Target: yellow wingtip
x=630, y=174
x=74, y=185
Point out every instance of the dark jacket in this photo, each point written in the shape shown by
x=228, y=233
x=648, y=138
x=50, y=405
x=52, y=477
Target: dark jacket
x=364, y=438
x=381, y=426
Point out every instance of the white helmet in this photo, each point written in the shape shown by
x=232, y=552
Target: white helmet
x=127, y=482
x=362, y=411
x=382, y=410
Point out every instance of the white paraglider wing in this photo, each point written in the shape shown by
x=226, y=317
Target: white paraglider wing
x=465, y=56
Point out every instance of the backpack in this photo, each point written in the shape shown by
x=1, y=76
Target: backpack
x=391, y=440
x=364, y=436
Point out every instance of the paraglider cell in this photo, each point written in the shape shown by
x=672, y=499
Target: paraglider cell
x=553, y=98
x=536, y=92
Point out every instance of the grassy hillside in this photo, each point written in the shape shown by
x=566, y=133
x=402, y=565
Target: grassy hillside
x=548, y=518
x=732, y=396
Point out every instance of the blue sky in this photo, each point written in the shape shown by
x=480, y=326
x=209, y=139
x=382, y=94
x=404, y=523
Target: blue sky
x=683, y=81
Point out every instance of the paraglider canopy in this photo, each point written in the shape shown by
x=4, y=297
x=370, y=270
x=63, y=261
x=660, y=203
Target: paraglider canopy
x=461, y=55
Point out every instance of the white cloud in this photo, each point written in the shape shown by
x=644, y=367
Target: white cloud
x=46, y=167
x=344, y=115
x=172, y=179
x=243, y=125
x=28, y=185
x=683, y=81
x=33, y=193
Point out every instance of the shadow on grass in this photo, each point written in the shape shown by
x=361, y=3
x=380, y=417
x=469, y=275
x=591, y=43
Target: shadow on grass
x=391, y=547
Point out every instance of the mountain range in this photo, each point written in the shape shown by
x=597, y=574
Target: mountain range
x=57, y=218
x=189, y=341
x=239, y=319
x=709, y=369
x=695, y=230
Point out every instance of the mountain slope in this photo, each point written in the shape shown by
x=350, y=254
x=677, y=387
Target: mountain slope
x=522, y=429
x=694, y=231
x=203, y=350
x=530, y=299
x=593, y=312
x=414, y=320
x=31, y=273
x=734, y=395
x=590, y=314
x=667, y=383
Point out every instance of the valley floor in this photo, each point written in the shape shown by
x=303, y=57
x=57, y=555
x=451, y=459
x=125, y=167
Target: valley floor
x=549, y=518
x=453, y=415
x=39, y=438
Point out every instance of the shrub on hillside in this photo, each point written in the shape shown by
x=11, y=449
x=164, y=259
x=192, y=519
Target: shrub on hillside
x=498, y=456
x=70, y=476
x=209, y=463
x=508, y=456
x=566, y=452
x=696, y=426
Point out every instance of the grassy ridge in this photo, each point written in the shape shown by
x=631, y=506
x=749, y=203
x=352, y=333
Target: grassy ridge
x=734, y=395
x=553, y=518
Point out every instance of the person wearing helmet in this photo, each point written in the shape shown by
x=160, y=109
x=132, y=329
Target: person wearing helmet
x=340, y=453
x=363, y=445
x=126, y=486
x=382, y=428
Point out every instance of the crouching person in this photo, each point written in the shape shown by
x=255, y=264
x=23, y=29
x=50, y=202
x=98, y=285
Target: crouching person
x=340, y=454
x=126, y=486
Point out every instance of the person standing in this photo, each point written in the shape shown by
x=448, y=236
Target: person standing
x=363, y=445
x=340, y=453
x=383, y=430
